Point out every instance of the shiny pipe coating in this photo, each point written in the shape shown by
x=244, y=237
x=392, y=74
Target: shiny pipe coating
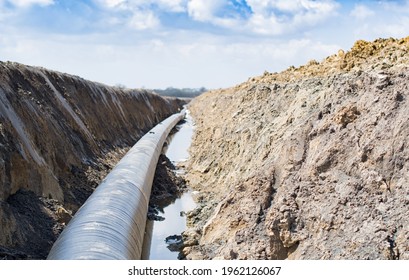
x=111, y=223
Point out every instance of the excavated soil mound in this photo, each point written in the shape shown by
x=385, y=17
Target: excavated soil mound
x=309, y=163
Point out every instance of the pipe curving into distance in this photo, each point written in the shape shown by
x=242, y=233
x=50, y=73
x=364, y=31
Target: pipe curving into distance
x=111, y=223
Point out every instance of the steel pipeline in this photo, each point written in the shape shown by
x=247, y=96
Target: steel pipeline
x=111, y=223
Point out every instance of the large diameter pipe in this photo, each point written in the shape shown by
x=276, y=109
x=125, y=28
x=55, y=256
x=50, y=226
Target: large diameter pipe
x=111, y=223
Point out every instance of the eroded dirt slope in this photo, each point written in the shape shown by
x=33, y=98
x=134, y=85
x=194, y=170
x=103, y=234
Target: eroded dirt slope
x=59, y=136
x=309, y=163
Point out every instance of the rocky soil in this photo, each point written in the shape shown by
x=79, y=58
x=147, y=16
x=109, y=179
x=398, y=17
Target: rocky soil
x=59, y=136
x=309, y=163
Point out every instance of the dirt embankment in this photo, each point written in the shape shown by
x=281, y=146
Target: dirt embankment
x=309, y=163
x=59, y=136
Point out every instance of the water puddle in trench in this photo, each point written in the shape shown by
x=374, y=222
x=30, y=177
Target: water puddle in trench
x=155, y=245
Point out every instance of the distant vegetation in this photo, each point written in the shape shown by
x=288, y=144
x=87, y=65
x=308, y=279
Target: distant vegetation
x=181, y=92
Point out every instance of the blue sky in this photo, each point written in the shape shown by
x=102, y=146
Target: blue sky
x=188, y=43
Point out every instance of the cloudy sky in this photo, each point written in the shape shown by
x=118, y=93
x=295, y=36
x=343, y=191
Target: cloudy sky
x=188, y=43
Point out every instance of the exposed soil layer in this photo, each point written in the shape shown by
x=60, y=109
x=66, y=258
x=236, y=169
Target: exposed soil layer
x=166, y=188
x=59, y=136
x=309, y=163
x=37, y=222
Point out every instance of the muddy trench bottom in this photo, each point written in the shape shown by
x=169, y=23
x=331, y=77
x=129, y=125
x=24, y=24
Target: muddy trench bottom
x=170, y=198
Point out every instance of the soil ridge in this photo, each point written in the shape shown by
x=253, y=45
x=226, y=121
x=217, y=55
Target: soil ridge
x=309, y=163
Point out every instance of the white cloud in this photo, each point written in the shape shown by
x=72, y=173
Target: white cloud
x=266, y=25
x=269, y=17
x=172, y=5
x=110, y=3
x=166, y=5
x=142, y=20
x=192, y=56
x=362, y=12
x=203, y=10
x=140, y=14
x=214, y=12
x=265, y=6
x=379, y=19
x=278, y=16
x=394, y=6
x=397, y=29
x=27, y=3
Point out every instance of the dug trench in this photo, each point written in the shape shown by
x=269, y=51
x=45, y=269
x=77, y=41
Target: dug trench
x=59, y=137
x=308, y=163
x=171, y=197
